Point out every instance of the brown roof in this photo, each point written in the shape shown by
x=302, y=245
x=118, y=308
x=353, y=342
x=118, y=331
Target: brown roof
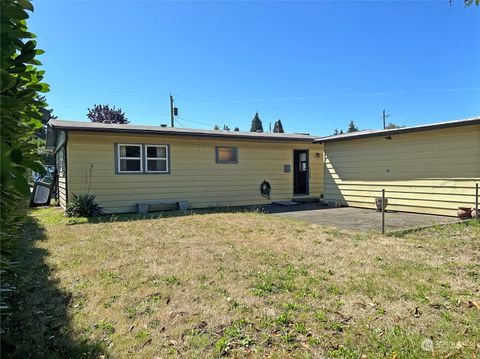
x=175, y=131
x=396, y=131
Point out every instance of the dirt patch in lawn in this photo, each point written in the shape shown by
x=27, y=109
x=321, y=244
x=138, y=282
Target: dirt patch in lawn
x=238, y=284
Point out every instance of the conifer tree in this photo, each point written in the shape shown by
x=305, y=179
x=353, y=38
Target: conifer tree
x=256, y=124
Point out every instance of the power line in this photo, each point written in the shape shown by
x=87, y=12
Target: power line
x=179, y=123
x=199, y=122
x=353, y=94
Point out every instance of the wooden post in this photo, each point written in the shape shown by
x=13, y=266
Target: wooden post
x=383, y=211
x=476, y=201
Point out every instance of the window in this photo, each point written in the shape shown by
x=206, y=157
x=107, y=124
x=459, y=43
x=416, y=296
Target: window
x=157, y=158
x=130, y=158
x=60, y=161
x=226, y=154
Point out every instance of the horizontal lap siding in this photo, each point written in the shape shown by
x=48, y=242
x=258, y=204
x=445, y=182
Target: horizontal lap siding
x=425, y=172
x=194, y=177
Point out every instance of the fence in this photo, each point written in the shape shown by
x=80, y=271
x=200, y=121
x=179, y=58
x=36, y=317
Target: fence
x=383, y=205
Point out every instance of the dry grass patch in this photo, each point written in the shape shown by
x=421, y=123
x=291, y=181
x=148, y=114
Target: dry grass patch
x=245, y=284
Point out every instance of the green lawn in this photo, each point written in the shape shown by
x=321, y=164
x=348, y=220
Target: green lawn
x=241, y=284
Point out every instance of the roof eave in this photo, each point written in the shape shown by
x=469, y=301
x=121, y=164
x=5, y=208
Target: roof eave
x=179, y=133
x=396, y=131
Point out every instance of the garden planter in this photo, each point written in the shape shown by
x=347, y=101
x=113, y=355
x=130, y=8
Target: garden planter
x=378, y=203
x=464, y=212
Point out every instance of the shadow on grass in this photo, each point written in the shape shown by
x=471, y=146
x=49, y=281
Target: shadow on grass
x=268, y=209
x=39, y=325
x=439, y=226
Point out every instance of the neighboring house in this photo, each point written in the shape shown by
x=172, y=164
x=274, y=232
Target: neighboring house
x=124, y=165
x=425, y=169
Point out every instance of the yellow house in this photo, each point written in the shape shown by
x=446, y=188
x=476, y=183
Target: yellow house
x=128, y=165
x=425, y=169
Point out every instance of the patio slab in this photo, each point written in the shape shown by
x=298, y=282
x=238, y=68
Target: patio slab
x=359, y=219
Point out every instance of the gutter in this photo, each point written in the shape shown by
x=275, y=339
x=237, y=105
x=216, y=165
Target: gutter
x=397, y=131
x=180, y=133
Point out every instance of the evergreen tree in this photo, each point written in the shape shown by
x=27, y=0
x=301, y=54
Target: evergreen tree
x=256, y=124
x=392, y=125
x=226, y=128
x=352, y=127
x=278, y=127
x=341, y=132
x=335, y=132
x=236, y=129
x=216, y=127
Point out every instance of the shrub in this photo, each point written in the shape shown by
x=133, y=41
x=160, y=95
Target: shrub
x=83, y=205
x=20, y=116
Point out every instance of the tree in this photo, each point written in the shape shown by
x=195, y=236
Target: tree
x=392, y=125
x=21, y=113
x=467, y=2
x=335, y=132
x=226, y=128
x=216, y=128
x=46, y=116
x=341, y=132
x=352, y=127
x=105, y=114
x=278, y=127
x=41, y=135
x=256, y=124
x=236, y=129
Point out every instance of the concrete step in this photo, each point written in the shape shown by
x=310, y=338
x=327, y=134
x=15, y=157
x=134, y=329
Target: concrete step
x=306, y=199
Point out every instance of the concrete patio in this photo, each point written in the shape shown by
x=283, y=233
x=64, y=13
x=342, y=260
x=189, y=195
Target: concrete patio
x=359, y=219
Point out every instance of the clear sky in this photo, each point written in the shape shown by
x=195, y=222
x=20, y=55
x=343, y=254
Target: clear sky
x=314, y=65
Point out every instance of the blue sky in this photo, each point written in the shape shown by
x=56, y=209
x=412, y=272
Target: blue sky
x=314, y=65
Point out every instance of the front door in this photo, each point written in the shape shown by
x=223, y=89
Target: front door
x=300, y=172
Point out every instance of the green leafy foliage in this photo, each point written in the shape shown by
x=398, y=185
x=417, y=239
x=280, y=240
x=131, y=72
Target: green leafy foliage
x=83, y=205
x=21, y=111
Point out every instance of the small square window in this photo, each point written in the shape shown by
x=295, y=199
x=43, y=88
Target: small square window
x=226, y=154
x=130, y=158
x=157, y=158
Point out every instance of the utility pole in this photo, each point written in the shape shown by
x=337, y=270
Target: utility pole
x=171, y=111
x=385, y=116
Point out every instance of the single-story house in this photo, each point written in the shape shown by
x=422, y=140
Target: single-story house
x=126, y=165
x=425, y=169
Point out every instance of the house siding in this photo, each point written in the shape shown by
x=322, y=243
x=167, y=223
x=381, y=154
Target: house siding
x=432, y=172
x=195, y=176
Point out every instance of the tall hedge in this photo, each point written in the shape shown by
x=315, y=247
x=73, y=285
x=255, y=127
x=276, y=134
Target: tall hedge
x=21, y=103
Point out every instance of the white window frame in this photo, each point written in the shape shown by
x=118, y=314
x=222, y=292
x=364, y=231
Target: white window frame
x=166, y=158
x=119, y=169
